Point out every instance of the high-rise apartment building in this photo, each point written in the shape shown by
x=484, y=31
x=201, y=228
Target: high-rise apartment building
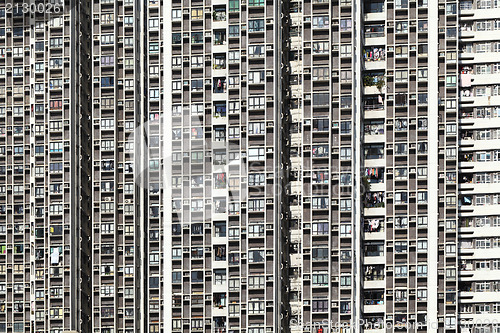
x=44, y=168
x=249, y=166
x=341, y=143
x=226, y=155
x=81, y=228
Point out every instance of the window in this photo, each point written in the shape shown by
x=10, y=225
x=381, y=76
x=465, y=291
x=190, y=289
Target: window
x=256, y=51
x=255, y=256
x=451, y=32
x=422, y=26
x=346, y=25
x=256, y=103
x=345, y=76
x=320, y=202
x=256, y=179
x=197, y=324
x=400, y=271
x=107, y=81
x=401, y=247
x=451, y=129
x=197, y=85
x=345, y=50
x=54, y=147
x=255, y=330
x=401, y=27
x=107, y=39
x=320, y=306
x=422, y=98
x=345, y=205
x=374, y=6
x=482, y=286
x=256, y=230
x=401, y=51
x=345, y=127
x=154, y=70
x=421, y=294
x=320, y=47
x=154, y=23
x=451, y=8
x=320, y=279
x=256, y=2
x=451, y=81
x=176, y=61
x=401, y=4
x=220, y=276
x=154, y=47
x=450, y=249
x=256, y=205
x=422, y=197
x=154, y=94
x=422, y=74
x=400, y=149
x=320, y=228
x=256, y=128
x=401, y=76
x=196, y=61
x=345, y=179
x=320, y=22
x=345, y=153
x=255, y=77
x=234, y=31
x=400, y=198
x=451, y=153
x=422, y=246
x=256, y=282
x=401, y=222
x=256, y=154
x=345, y=281
x=234, y=5
x=345, y=102
x=345, y=230
x=176, y=14
x=320, y=253
x=255, y=25
x=421, y=270
x=374, y=249
x=233, y=56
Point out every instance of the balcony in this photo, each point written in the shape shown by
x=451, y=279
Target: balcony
x=374, y=107
x=374, y=84
x=374, y=229
x=374, y=11
x=374, y=175
x=219, y=14
x=374, y=200
x=220, y=37
x=374, y=276
x=374, y=31
x=374, y=258
x=219, y=61
x=374, y=324
x=219, y=85
x=374, y=131
x=373, y=301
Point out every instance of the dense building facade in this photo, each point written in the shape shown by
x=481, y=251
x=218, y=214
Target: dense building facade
x=249, y=166
x=388, y=212
x=45, y=168
x=81, y=226
x=225, y=166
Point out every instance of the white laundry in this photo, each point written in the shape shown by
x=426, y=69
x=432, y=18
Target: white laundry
x=54, y=257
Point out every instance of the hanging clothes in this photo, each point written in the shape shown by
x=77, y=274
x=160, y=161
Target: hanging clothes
x=54, y=256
